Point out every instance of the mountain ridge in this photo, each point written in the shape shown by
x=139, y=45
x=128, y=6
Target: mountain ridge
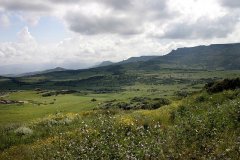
x=212, y=57
x=215, y=56
x=57, y=69
x=203, y=57
x=103, y=63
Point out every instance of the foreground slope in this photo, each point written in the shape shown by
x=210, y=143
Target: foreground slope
x=203, y=125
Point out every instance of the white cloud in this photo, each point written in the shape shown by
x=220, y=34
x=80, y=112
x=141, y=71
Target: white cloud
x=110, y=24
x=80, y=51
x=202, y=28
x=125, y=17
x=31, y=19
x=24, y=36
x=4, y=21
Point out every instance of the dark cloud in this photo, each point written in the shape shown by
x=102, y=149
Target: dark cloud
x=127, y=17
x=155, y=5
x=203, y=28
x=65, y=1
x=231, y=3
x=90, y=25
x=24, y=5
x=152, y=10
x=116, y=4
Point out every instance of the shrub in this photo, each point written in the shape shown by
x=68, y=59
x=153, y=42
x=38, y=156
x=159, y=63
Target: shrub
x=93, y=100
x=55, y=93
x=139, y=99
x=137, y=103
x=226, y=84
x=23, y=131
x=181, y=94
x=124, y=105
x=200, y=99
x=162, y=101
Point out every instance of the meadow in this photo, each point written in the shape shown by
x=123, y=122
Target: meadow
x=159, y=115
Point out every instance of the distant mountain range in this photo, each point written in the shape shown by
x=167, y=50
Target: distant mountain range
x=57, y=69
x=137, y=59
x=216, y=56
x=212, y=57
x=104, y=63
x=110, y=75
x=129, y=60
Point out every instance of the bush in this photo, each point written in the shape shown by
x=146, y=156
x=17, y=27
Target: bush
x=200, y=99
x=139, y=99
x=137, y=103
x=23, y=131
x=162, y=101
x=124, y=105
x=182, y=94
x=93, y=100
x=55, y=93
x=226, y=84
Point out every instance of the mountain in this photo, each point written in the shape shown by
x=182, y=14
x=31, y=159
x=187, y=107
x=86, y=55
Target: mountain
x=215, y=56
x=57, y=69
x=212, y=57
x=137, y=59
x=104, y=63
x=1, y=77
x=129, y=60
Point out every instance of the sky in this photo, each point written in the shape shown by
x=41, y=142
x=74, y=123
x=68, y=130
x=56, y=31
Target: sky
x=75, y=34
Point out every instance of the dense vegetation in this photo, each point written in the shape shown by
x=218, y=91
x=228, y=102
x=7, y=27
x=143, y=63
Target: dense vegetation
x=201, y=126
x=226, y=84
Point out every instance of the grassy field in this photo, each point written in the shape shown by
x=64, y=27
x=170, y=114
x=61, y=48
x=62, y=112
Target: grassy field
x=153, y=84
x=161, y=115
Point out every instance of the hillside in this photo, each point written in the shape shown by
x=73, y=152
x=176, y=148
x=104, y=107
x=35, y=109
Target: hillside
x=141, y=70
x=104, y=63
x=137, y=59
x=202, y=125
x=119, y=80
x=129, y=60
x=216, y=56
x=57, y=69
x=171, y=107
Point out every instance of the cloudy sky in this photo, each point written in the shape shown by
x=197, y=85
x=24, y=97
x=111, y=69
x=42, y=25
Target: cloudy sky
x=41, y=34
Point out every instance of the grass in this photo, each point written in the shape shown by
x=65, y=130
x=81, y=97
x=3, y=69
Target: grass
x=117, y=78
x=31, y=110
x=15, y=113
x=159, y=86
x=199, y=125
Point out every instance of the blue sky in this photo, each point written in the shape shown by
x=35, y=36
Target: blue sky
x=9, y=33
x=48, y=30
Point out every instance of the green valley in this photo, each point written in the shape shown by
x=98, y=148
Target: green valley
x=184, y=105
